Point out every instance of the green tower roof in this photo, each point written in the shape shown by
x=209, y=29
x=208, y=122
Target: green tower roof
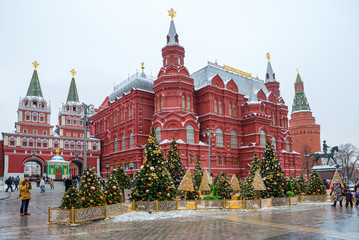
x=73, y=96
x=34, y=87
x=300, y=102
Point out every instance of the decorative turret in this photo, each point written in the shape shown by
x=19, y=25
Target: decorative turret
x=172, y=37
x=73, y=95
x=252, y=96
x=34, y=89
x=300, y=102
x=270, y=82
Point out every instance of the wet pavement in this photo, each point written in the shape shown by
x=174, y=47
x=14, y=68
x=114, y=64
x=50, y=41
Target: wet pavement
x=304, y=221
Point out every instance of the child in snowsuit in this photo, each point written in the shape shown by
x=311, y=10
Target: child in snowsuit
x=357, y=197
x=348, y=198
x=338, y=193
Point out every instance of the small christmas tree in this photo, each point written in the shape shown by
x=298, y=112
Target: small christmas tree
x=235, y=184
x=247, y=190
x=337, y=176
x=254, y=167
x=316, y=185
x=153, y=181
x=71, y=199
x=187, y=184
x=123, y=180
x=112, y=189
x=302, y=185
x=205, y=182
x=272, y=173
x=292, y=187
x=224, y=186
x=197, y=178
x=174, y=164
x=92, y=195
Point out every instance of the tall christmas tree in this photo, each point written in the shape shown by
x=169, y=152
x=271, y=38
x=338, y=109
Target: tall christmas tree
x=153, y=181
x=71, y=199
x=316, y=185
x=123, y=180
x=112, y=189
x=225, y=189
x=302, y=184
x=272, y=173
x=254, y=167
x=174, y=164
x=92, y=195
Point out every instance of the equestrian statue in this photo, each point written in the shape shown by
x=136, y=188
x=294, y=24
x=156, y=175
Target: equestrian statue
x=328, y=153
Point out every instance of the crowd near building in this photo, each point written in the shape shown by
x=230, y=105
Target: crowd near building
x=218, y=115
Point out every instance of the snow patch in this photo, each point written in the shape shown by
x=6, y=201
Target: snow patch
x=145, y=216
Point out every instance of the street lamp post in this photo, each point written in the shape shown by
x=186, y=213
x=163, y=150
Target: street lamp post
x=86, y=108
x=208, y=133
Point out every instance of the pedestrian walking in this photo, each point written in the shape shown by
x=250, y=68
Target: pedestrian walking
x=338, y=193
x=42, y=185
x=16, y=183
x=25, y=194
x=8, y=182
x=348, y=198
x=357, y=197
x=68, y=183
x=51, y=183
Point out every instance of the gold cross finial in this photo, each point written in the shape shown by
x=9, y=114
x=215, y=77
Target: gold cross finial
x=73, y=72
x=142, y=66
x=268, y=56
x=297, y=71
x=35, y=64
x=172, y=13
x=57, y=151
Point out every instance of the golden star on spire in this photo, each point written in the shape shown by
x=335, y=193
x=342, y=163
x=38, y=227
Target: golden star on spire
x=142, y=66
x=57, y=151
x=297, y=71
x=172, y=13
x=35, y=64
x=73, y=72
x=268, y=56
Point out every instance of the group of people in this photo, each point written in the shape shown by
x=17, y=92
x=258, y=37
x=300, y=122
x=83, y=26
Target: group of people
x=12, y=181
x=340, y=193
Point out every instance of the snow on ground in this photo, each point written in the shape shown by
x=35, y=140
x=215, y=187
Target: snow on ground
x=146, y=216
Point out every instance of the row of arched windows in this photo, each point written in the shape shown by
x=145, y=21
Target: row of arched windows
x=184, y=105
x=218, y=109
x=273, y=140
x=123, y=142
x=34, y=117
x=74, y=121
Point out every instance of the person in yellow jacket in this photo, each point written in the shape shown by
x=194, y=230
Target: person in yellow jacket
x=25, y=187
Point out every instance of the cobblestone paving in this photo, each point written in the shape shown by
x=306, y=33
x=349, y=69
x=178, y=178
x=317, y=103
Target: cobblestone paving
x=304, y=221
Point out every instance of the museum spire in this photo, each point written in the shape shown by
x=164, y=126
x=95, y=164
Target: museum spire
x=34, y=87
x=172, y=37
x=73, y=96
x=270, y=75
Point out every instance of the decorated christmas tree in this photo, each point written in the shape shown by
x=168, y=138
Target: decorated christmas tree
x=112, y=189
x=272, y=173
x=247, y=190
x=91, y=193
x=153, y=181
x=174, y=164
x=302, y=184
x=235, y=184
x=123, y=180
x=292, y=187
x=254, y=167
x=71, y=199
x=197, y=178
x=186, y=185
x=316, y=185
x=335, y=177
x=205, y=182
x=224, y=186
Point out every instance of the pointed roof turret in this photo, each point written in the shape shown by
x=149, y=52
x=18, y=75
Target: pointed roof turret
x=270, y=75
x=252, y=95
x=172, y=37
x=73, y=95
x=143, y=75
x=34, y=87
x=300, y=102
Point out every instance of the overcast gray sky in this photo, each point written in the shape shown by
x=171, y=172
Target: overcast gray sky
x=105, y=41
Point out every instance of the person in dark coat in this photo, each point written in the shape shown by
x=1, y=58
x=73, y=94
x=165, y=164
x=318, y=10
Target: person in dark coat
x=349, y=198
x=17, y=182
x=68, y=183
x=8, y=182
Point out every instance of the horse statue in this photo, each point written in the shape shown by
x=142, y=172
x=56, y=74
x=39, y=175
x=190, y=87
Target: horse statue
x=329, y=155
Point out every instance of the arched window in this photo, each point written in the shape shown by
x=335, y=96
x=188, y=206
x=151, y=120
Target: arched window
x=234, y=111
x=38, y=143
x=94, y=146
x=131, y=140
x=183, y=103
x=220, y=107
x=157, y=105
x=42, y=117
x=188, y=104
x=288, y=145
x=45, y=143
x=219, y=137
x=12, y=141
x=72, y=145
x=179, y=61
x=31, y=142
x=215, y=106
x=274, y=143
x=24, y=142
x=68, y=121
x=190, y=134
x=161, y=103
x=56, y=144
x=27, y=116
x=230, y=109
x=34, y=117
x=116, y=144
x=263, y=138
x=158, y=134
x=123, y=142
x=234, y=139
x=74, y=121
